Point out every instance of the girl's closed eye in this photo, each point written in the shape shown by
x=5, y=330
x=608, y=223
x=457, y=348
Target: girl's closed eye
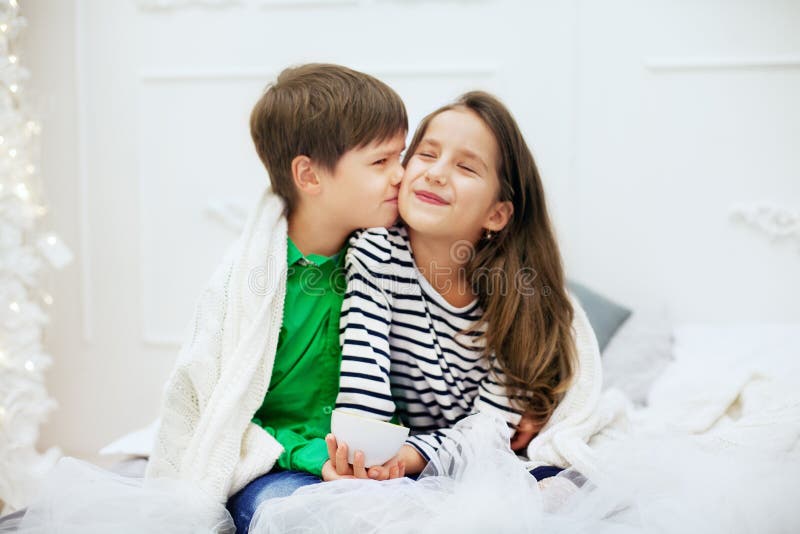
x=380, y=161
x=467, y=168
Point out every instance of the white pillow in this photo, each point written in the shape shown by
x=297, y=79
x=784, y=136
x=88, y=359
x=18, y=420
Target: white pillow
x=638, y=353
x=137, y=443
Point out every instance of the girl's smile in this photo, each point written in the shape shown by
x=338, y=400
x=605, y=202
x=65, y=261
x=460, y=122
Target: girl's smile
x=451, y=186
x=430, y=198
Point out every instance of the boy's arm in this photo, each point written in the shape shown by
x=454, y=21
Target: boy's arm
x=300, y=453
x=364, y=386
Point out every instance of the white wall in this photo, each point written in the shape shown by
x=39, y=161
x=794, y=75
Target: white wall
x=648, y=120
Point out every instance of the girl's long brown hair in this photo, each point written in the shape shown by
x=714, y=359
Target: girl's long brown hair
x=518, y=273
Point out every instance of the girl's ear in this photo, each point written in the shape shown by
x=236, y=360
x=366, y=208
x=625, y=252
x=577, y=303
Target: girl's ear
x=305, y=176
x=499, y=216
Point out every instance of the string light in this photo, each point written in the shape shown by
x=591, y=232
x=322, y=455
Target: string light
x=22, y=191
x=22, y=351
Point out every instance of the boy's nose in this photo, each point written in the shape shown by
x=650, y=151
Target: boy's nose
x=398, y=175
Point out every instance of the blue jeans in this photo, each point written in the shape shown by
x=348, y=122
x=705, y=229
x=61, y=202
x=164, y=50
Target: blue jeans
x=276, y=483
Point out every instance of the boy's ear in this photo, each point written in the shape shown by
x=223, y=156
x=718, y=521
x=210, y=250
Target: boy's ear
x=499, y=216
x=305, y=176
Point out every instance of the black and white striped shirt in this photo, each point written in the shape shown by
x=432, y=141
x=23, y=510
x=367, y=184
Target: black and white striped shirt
x=403, y=350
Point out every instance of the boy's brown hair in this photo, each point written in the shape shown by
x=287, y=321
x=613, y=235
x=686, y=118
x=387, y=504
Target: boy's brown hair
x=320, y=111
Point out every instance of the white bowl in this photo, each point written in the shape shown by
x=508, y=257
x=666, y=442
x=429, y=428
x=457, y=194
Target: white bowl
x=378, y=440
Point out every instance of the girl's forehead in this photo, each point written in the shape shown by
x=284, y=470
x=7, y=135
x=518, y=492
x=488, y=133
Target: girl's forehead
x=462, y=129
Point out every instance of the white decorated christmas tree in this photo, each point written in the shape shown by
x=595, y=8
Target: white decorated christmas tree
x=25, y=251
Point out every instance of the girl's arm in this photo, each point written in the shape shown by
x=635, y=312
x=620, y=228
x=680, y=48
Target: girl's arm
x=492, y=399
x=364, y=386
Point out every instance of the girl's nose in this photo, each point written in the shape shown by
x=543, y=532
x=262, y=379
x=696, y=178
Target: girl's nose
x=435, y=175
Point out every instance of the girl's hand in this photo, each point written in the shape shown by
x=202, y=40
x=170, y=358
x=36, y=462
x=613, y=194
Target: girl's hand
x=407, y=460
x=337, y=465
x=527, y=428
x=394, y=468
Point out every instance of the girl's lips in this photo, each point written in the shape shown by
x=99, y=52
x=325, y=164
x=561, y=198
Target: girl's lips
x=430, y=198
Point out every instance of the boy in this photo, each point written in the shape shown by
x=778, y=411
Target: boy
x=254, y=386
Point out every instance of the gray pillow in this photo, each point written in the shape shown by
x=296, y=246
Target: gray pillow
x=604, y=315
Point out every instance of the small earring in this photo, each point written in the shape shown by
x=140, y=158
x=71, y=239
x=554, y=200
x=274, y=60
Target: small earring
x=489, y=234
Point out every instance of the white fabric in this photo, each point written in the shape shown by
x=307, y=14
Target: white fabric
x=638, y=353
x=716, y=451
x=205, y=435
x=136, y=443
x=584, y=413
x=80, y=498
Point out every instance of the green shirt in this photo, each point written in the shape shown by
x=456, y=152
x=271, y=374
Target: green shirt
x=305, y=376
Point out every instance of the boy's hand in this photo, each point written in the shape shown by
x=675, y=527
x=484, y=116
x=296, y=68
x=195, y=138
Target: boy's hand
x=337, y=464
x=527, y=428
x=329, y=472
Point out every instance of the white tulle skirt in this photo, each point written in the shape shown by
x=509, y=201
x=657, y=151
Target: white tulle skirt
x=79, y=497
x=647, y=483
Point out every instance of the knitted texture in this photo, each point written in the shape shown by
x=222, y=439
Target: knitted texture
x=583, y=413
x=222, y=374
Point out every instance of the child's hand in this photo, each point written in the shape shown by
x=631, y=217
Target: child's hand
x=337, y=465
x=394, y=468
x=527, y=428
x=407, y=460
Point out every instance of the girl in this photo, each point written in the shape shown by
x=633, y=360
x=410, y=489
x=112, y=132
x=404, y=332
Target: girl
x=462, y=308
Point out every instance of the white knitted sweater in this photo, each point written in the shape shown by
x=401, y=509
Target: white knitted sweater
x=205, y=435
x=224, y=367
x=584, y=414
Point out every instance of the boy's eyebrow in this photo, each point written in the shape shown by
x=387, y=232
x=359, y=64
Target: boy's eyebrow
x=390, y=151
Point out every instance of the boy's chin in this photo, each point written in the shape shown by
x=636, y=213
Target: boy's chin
x=390, y=219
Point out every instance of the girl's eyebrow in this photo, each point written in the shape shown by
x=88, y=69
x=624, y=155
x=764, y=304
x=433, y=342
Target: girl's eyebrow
x=469, y=154
x=428, y=141
x=473, y=156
